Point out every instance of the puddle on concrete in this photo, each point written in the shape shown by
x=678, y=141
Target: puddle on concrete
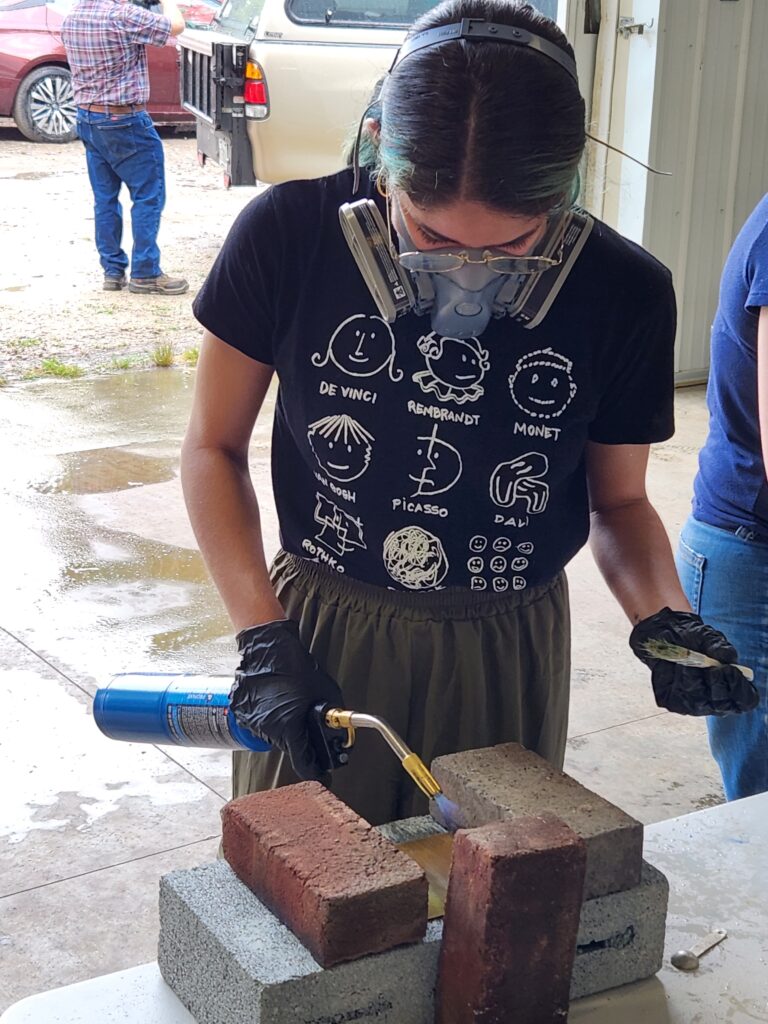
x=100, y=573
x=76, y=776
x=29, y=175
x=103, y=470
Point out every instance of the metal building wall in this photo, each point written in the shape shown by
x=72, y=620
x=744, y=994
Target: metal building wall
x=710, y=128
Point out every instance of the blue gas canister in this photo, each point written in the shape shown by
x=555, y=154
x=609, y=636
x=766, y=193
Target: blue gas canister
x=169, y=708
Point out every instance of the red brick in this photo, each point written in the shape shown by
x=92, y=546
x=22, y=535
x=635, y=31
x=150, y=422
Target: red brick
x=511, y=918
x=506, y=782
x=342, y=888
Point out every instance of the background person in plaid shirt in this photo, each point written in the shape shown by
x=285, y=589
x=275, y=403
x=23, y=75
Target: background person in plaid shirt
x=106, y=44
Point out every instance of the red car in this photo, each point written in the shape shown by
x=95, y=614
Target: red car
x=35, y=86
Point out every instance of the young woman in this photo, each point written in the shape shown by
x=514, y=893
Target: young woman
x=723, y=551
x=434, y=475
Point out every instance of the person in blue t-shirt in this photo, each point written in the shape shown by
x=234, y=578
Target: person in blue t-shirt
x=434, y=472
x=722, y=557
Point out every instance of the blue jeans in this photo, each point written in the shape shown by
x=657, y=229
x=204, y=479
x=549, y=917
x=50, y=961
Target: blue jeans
x=125, y=149
x=725, y=577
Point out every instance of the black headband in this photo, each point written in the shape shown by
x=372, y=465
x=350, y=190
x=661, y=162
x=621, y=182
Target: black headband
x=476, y=28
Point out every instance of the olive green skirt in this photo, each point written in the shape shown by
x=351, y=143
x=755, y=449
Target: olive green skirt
x=451, y=670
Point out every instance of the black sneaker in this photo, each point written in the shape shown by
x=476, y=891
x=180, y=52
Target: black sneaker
x=114, y=284
x=162, y=285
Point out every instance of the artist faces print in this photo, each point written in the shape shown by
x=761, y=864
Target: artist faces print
x=436, y=467
x=361, y=346
x=519, y=484
x=415, y=558
x=339, y=531
x=542, y=385
x=341, y=446
x=455, y=368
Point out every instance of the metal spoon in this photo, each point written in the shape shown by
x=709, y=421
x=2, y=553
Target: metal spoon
x=688, y=959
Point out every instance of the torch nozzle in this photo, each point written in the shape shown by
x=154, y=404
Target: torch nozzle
x=339, y=718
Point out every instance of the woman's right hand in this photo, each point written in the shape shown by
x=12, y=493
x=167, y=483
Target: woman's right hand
x=277, y=685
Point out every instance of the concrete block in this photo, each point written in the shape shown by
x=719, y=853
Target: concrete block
x=325, y=872
x=507, y=781
x=620, y=937
x=511, y=917
x=230, y=961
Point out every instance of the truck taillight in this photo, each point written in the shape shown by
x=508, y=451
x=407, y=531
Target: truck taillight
x=255, y=92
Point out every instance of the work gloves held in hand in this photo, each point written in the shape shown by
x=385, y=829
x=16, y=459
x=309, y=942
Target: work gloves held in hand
x=686, y=690
x=277, y=685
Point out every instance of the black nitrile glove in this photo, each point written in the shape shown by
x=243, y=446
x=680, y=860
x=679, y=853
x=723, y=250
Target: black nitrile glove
x=277, y=684
x=693, y=691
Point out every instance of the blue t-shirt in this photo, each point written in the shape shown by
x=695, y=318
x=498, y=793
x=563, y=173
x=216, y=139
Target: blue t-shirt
x=730, y=488
x=413, y=461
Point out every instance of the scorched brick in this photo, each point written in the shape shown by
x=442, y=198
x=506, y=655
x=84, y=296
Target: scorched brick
x=343, y=889
x=511, y=921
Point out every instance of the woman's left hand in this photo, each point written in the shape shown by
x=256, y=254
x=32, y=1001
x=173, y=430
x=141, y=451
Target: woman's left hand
x=718, y=690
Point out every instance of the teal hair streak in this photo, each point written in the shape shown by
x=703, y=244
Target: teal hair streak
x=394, y=169
x=382, y=156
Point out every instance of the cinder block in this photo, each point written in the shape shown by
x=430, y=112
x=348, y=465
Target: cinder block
x=507, y=781
x=621, y=936
x=230, y=961
x=511, y=918
x=325, y=872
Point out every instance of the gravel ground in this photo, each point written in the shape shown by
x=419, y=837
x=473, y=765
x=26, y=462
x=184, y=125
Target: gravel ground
x=53, y=311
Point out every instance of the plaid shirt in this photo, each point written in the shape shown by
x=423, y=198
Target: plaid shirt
x=105, y=43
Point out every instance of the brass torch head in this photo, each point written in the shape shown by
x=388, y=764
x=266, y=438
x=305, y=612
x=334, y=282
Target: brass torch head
x=338, y=718
x=421, y=775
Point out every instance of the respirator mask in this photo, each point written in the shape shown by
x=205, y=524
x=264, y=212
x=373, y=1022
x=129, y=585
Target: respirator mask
x=461, y=288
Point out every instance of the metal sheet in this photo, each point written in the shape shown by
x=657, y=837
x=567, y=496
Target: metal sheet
x=433, y=854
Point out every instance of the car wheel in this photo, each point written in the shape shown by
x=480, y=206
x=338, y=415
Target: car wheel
x=44, y=109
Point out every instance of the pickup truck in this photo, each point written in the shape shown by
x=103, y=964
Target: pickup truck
x=277, y=87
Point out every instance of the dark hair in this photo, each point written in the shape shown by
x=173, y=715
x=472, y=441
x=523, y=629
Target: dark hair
x=492, y=122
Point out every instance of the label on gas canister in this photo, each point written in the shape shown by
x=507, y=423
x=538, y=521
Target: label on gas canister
x=200, y=725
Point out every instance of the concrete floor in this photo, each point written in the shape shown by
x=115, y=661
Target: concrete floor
x=101, y=575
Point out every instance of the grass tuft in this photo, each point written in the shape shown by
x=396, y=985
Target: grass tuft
x=162, y=355
x=122, y=363
x=17, y=343
x=191, y=355
x=55, y=368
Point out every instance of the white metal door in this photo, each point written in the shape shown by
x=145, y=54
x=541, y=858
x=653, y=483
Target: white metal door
x=688, y=96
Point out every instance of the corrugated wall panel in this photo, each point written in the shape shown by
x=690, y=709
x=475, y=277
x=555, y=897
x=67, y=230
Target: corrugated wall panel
x=710, y=128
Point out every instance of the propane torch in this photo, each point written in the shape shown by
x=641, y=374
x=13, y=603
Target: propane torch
x=339, y=719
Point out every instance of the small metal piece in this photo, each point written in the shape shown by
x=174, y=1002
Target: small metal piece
x=688, y=959
x=628, y=26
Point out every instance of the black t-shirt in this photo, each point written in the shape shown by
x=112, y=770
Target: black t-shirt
x=416, y=462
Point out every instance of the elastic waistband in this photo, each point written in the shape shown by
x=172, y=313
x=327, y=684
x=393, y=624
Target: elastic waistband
x=451, y=603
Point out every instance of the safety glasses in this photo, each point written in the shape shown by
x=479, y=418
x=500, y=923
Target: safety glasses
x=442, y=262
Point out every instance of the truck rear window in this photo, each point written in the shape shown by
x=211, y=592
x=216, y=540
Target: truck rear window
x=373, y=13
x=354, y=13
x=239, y=17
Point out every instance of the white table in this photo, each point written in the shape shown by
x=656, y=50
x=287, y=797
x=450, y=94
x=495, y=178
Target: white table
x=716, y=861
